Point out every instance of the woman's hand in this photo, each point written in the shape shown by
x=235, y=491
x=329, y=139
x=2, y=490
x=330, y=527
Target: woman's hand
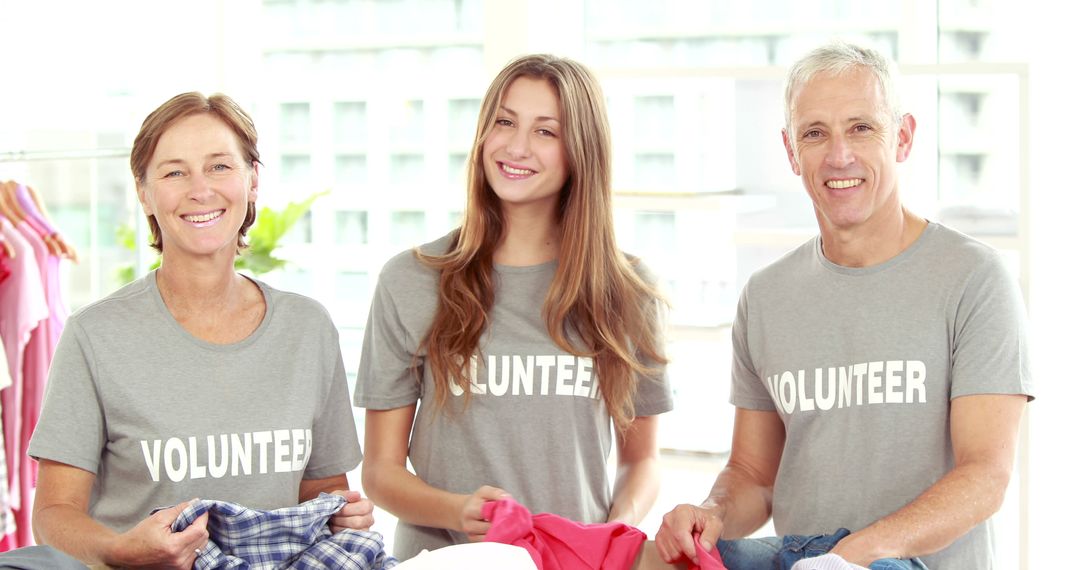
x=357, y=514
x=472, y=521
x=153, y=544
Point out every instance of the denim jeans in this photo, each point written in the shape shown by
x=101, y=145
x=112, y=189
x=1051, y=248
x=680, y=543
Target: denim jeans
x=781, y=552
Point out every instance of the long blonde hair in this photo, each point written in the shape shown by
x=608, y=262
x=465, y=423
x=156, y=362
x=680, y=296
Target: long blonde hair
x=596, y=294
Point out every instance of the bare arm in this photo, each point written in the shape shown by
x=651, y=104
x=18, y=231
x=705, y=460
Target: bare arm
x=394, y=488
x=741, y=498
x=310, y=488
x=358, y=512
x=637, y=480
x=984, y=432
x=61, y=520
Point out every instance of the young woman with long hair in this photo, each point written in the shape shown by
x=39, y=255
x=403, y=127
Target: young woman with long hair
x=525, y=334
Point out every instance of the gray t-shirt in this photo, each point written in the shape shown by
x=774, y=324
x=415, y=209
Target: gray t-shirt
x=162, y=417
x=535, y=426
x=862, y=364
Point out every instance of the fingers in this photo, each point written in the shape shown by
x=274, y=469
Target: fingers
x=357, y=515
x=350, y=495
x=363, y=522
x=489, y=493
x=472, y=511
x=195, y=535
x=675, y=540
x=476, y=530
x=710, y=533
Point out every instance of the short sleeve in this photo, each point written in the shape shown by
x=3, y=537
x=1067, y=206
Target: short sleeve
x=336, y=448
x=747, y=389
x=653, y=395
x=990, y=345
x=388, y=377
x=71, y=428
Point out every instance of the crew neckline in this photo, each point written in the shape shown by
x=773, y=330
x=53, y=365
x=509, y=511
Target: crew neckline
x=930, y=229
x=159, y=302
x=525, y=268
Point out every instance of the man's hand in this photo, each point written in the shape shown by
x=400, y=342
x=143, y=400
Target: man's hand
x=675, y=539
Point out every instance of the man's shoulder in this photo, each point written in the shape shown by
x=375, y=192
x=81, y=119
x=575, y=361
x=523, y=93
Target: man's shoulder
x=959, y=258
x=789, y=266
x=945, y=240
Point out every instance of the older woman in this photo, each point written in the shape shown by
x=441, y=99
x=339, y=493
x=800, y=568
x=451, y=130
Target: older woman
x=194, y=381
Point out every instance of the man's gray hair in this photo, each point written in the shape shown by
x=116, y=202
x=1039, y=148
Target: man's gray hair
x=837, y=58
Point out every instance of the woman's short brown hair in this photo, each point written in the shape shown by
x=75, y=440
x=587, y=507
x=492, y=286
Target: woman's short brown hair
x=179, y=107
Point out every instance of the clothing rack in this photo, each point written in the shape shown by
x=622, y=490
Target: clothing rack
x=76, y=154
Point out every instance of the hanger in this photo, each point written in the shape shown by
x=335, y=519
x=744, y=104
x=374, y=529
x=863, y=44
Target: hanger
x=36, y=220
x=5, y=214
x=6, y=247
x=7, y=208
x=27, y=207
x=66, y=248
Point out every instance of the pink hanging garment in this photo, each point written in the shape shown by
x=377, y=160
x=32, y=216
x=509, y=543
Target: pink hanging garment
x=556, y=543
x=7, y=518
x=36, y=358
x=22, y=308
x=50, y=269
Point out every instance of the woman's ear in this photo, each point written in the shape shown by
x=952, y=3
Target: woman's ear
x=144, y=200
x=253, y=193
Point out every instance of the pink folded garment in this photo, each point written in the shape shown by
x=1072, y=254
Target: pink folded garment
x=556, y=543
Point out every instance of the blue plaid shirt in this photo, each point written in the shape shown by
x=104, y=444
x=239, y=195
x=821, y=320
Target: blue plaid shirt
x=296, y=537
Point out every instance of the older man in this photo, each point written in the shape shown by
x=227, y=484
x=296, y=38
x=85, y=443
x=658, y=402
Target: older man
x=880, y=370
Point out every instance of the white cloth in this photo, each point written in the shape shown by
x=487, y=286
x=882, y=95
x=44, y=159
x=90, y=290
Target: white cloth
x=826, y=562
x=470, y=557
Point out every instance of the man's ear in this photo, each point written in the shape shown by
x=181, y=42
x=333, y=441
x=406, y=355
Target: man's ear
x=905, y=136
x=792, y=160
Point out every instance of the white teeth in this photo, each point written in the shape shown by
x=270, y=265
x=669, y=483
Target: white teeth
x=841, y=184
x=204, y=217
x=518, y=171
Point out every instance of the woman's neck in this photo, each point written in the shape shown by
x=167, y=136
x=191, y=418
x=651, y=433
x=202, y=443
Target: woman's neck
x=528, y=239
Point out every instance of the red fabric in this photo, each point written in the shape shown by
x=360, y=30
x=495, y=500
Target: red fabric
x=556, y=543
x=708, y=560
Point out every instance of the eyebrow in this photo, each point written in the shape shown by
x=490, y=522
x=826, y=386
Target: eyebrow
x=514, y=113
x=855, y=119
x=210, y=156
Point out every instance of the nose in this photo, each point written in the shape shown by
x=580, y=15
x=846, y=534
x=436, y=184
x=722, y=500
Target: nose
x=518, y=144
x=839, y=153
x=198, y=187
